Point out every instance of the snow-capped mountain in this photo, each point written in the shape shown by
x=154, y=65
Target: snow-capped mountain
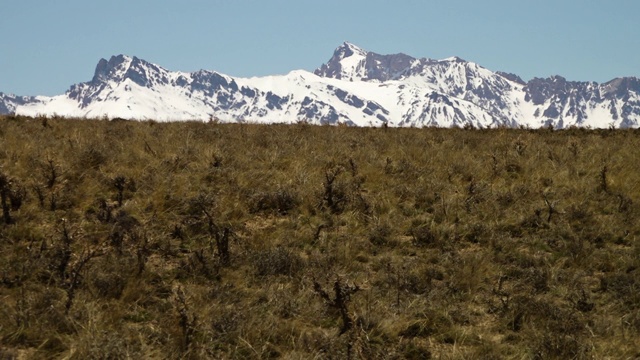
x=9, y=102
x=354, y=87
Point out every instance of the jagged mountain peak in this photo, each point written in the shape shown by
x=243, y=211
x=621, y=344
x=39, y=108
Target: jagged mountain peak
x=347, y=49
x=353, y=63
x=116, y=64
x=121, y=67
x=345, y=63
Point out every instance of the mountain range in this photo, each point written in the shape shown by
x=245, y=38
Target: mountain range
x=355, y=87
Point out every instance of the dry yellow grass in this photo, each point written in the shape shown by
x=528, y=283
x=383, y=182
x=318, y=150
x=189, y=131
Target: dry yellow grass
x=194, y=240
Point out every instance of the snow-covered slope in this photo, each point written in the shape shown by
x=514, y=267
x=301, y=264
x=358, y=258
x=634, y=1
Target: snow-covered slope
x=9, y=102
x=354, y=87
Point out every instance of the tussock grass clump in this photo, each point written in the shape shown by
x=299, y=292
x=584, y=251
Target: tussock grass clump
x=205, y=240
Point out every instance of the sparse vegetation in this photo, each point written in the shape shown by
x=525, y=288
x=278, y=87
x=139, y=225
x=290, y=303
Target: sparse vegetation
x=206, y=240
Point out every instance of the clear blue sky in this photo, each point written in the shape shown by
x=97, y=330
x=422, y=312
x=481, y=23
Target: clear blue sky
x=46, y=45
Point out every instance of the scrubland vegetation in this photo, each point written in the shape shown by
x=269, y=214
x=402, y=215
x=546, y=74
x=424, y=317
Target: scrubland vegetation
x=137, y=240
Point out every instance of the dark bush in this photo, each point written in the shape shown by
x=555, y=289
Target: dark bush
x=277, y=261
x=280, y=201
x=422, y=235
x=91, y=158
x=380, y=235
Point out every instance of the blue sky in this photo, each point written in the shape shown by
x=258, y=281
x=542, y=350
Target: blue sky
x=48, y=45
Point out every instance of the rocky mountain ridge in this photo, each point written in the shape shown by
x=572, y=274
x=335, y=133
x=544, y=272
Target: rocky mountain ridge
x=355, y=87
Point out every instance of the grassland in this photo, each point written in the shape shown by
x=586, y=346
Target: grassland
x=202, y=240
